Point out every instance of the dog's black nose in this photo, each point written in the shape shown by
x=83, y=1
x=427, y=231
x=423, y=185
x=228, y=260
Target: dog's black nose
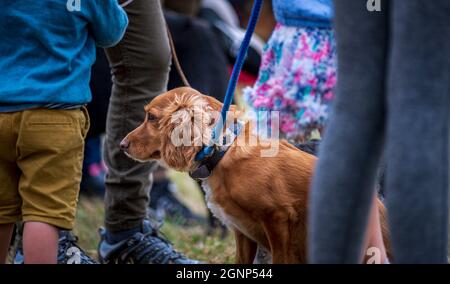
x=124, y=144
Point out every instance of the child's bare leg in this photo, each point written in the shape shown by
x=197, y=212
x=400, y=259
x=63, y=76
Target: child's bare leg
x=5, y=238
x=374, y=251
x=40, y=243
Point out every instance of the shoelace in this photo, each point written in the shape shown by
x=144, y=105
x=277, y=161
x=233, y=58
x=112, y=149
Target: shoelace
x=150, y=248
x=157, y=233
x=161, y=237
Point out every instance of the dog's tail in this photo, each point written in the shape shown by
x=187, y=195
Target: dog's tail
x=385, y=229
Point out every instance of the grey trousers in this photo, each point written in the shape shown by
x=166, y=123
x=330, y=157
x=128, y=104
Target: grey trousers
x=393, y=97
x=140, y=66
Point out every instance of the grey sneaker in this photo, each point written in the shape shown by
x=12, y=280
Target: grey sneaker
x=68, y=250
x=145, y=247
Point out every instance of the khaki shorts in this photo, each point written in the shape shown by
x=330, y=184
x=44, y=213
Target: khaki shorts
x=41, y=155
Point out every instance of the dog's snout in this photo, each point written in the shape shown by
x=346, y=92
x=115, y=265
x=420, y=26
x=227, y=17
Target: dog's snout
x=124, y=144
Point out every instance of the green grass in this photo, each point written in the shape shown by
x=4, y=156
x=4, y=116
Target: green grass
x=192, y=241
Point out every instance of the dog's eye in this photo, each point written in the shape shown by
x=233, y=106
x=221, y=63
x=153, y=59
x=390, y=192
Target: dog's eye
x=151, y=117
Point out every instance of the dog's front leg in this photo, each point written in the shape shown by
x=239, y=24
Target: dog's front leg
x=277, y=234
x=245, y=248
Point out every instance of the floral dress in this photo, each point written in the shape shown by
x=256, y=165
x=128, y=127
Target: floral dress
x=297, y=77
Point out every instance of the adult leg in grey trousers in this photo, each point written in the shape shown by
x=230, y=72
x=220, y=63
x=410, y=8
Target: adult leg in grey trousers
x=140, y=66
x=393, y=93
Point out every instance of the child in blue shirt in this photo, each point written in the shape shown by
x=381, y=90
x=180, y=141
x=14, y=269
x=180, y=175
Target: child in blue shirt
x=47, y=50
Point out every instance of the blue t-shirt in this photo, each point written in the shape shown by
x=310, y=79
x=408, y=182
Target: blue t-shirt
x=304, y=13
x=47, y=48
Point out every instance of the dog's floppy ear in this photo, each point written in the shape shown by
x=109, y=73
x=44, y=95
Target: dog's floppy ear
x=186, y=126
x=213, y=102
x=217, y=107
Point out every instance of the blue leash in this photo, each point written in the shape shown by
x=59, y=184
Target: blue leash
x=206, y=151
